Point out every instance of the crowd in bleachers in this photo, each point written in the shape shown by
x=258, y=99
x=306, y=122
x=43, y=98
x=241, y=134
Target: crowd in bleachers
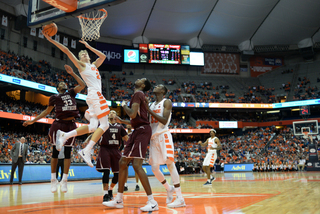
x=304, y=90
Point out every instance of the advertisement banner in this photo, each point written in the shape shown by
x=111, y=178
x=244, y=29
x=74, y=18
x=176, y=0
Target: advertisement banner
x=42, y=172
x=113, y=53
x=238, y=167
x=221, y=63
x=260, y=65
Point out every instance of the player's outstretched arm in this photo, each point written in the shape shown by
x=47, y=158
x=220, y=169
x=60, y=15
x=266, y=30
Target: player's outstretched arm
x=65, y=50
x=119, y=120
x=41, y=115
x=81, y=83
x=101, y=55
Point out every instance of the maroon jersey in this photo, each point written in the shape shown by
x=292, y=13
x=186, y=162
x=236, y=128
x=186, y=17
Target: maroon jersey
x=65, y=104
x=113, y=136
x=142, y=116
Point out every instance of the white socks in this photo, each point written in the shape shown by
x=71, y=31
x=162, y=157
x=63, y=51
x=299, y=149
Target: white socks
x=89, y=146
x=167, y=186
x=53, y=176
x=65, y=177
x=178, y=192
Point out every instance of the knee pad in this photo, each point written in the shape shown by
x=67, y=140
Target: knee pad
x=67, y=152
x=105, y=177
x=55, y=152
x=93, y=125
x=104, y=123
x=174, y=173
x=115, y=177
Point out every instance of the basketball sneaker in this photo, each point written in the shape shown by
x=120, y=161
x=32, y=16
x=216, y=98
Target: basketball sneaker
x=60, y=140
x=125, y=188
x=106, y=198
x=177, y=203
x=137, y=188
x=63, y=186
x=150, y=207
x=54, y=184
x=116, y=203
x=212, y=179
x=207, y=183
x=170, y=195
x=86, y=156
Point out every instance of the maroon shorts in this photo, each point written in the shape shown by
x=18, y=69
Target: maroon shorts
x=108, y=158
x=138, y=142
x=63, y=125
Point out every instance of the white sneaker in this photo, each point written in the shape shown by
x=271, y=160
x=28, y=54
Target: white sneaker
x=63, y=186
x=86, y=156
x=54, y=184
x=177, y=203
x=170, y=195
x=116, y=203
x=60, y=139
x=150, y=207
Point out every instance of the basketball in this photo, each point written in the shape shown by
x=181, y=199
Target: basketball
x=50, y=29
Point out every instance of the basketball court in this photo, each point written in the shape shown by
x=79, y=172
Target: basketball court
x=266, y=192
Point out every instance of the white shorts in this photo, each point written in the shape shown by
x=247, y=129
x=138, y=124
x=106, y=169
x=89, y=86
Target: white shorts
x=161, y=149
x=211, y=158
x=97, y=104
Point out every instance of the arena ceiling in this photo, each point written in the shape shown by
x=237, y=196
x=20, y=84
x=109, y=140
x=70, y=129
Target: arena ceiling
x=214, y=22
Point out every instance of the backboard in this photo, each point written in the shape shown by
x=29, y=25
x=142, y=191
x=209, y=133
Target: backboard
x=310, y=126
x=41, y=13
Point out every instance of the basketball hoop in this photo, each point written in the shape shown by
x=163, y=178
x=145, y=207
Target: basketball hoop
x=91, y=23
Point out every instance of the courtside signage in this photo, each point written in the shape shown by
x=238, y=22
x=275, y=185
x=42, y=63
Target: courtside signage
x=42, y=172
x=238, y=167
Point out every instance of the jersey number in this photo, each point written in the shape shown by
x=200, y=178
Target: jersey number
x=153, y=120
x=67, y=102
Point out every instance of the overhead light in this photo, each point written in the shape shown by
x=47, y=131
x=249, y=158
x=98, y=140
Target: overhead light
x=275, y=111
x=295, y=109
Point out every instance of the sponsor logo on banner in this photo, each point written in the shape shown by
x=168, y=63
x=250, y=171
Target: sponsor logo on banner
x=113, y=53
x=260, y=65
x=143, y=58
x=309, y=164
x=42, y=87
x=317, y=164
x=16, y=81
x=312, y=150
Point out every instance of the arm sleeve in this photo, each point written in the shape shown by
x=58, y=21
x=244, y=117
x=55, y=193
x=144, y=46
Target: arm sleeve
x=52, y=100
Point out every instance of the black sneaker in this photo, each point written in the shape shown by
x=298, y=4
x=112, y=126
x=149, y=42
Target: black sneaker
x=137, y=188
x=212, y=179
x=207, y=183
x=110, y=194
x=125, y=188
x=106, y=198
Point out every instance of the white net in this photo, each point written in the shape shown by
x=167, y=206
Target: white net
x=91, y=23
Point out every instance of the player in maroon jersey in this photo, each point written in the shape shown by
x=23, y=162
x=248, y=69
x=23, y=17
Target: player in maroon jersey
x=66, y=111
x=109, y=154
x=136, y=146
